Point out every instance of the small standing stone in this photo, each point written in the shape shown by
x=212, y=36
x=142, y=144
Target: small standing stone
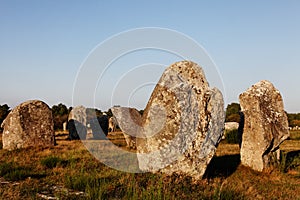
x=65, y=126
x=265, y=125
x=130, y=124
x=77, y=121
x=78, y=113
x=28, y=124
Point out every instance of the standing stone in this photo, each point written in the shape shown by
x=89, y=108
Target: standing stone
x=28, y=124
x=231, y=126
x=182, y=124
x=76, y=130
x=77, y=121
x=265, y=125
x=78, y=113
x=130, y=122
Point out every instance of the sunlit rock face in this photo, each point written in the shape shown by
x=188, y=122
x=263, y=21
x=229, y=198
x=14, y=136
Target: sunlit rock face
x=265, y=125
x=28, y=124
x=182, y=123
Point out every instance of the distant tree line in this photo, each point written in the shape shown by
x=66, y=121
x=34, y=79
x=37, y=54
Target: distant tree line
x=233, y=113
x=60, y=113
x=294, y=119
x=4, y=110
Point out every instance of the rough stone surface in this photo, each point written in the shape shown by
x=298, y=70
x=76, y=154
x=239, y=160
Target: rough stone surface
x=77, y=121
x=265, y=125
x=28, y=124
x=182, y=124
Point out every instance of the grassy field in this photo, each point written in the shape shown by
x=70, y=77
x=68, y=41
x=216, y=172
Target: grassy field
x=69, y=171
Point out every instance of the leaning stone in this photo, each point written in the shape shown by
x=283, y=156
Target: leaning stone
x=28, y=124
x=182, y=124
x=265, y=126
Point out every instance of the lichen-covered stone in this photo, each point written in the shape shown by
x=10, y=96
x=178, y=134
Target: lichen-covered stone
x=182, y=124
x=265, y=125
x=28, y=124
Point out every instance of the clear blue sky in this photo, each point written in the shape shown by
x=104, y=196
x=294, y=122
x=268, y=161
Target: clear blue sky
x=43, y=43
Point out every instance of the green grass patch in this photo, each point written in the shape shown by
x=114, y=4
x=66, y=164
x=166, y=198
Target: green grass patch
x=12, y=172
x=52, y=161
x=95, y=187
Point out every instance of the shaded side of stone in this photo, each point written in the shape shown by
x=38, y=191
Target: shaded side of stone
x=76, y=130
x=99, y=126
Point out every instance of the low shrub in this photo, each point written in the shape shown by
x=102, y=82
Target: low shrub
x=10, y=171
x=289, y=160
x=232, y=136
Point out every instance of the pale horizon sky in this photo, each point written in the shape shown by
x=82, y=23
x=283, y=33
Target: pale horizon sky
x=44, y=43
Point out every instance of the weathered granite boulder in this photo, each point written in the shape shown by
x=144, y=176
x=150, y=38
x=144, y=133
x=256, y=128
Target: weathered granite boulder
x=182, y=124
x=28, y=124
x=265, y=125
x=77, y=123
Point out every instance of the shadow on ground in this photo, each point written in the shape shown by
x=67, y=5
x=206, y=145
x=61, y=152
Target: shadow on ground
x=222, y=166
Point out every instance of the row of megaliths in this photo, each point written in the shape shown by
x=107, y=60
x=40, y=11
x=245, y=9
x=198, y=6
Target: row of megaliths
x=183, y=124
x=180, y=129
x=31, y=124
x=78, y=121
